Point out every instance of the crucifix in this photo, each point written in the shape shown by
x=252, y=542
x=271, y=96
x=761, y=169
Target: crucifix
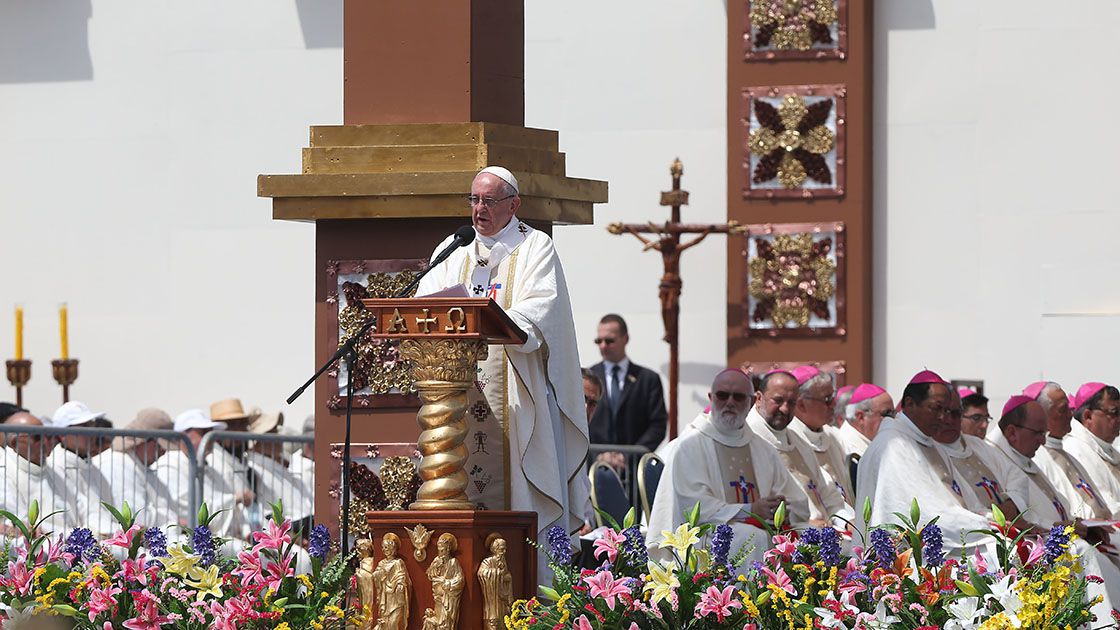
x=666, y=238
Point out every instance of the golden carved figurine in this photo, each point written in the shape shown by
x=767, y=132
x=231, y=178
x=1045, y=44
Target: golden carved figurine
x=497, y=584
x=419, y=536
x=447, y=586
x=393, y=587
x=364, y=574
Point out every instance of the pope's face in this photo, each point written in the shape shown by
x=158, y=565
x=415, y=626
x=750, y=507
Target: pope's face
x=1059, y=416
x=495, y=208
x=776, y=403
x=932, y=416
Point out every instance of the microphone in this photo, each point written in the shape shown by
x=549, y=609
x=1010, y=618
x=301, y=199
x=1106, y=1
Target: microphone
x=463, y=236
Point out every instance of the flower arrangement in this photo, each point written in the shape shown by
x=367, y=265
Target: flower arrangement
x=139, y=580
x=901, y=579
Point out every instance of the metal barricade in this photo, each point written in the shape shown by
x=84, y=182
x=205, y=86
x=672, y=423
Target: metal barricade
x=628, y=472
x=245, y=473
x=71, y=470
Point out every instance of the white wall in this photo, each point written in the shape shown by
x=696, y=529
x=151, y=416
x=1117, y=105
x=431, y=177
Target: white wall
x=134, y=132
x=995, y=207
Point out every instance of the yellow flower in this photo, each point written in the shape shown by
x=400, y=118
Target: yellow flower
x=306, y=581
x=662, y=582
x=324, y=595
x=283, y=626
x=207, y=583
x=681, y=539
x=181, y=563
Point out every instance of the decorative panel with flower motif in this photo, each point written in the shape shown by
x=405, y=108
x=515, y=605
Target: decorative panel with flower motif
x=795, y=29
x=381, y=377
x=794, y=137
x=795, y=279
x=758, y=369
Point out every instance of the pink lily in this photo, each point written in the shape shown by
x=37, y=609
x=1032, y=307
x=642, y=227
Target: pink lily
x=718, y=602
x=277, y=573
x=250, y=569
x=137, y=570
x=123, y=538
x=784, y=546
x=781, y=580
x=1036, y=549
x=101, y=599
x=223, y=620
x=147, y=613
x=274, y=538
x=582, y=623
x=18, y=578
x=981, y=565
x=604, y=585
x=609, y=544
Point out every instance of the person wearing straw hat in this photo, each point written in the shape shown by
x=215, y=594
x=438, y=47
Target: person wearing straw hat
x=70, y=460
x=272, y=479
x=127, y=466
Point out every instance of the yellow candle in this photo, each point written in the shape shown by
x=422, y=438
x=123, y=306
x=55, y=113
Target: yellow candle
x=62, y=330
x=19, y=333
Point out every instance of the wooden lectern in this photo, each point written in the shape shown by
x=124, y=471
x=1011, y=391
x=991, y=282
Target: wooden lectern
x=443, y=338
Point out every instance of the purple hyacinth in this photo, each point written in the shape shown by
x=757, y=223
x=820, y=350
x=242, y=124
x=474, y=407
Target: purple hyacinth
x=721, y=544
x=829, y=547
x=156, y=541
x=81, y=544
x=319, y=542
x=560, y=546
x=931, y=545
x=202, y=542
x=635, y=546
x=1057, y=541
x=802, y=553
x=883, y=546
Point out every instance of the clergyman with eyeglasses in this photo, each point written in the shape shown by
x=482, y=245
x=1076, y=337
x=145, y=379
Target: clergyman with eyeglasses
x=1091, y=437
x=537, y=383
x=864, y=414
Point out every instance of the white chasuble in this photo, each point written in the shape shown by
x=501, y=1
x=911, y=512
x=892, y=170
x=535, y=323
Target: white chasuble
x=991, y=477
x=1070, y=479
x=853, y=442
x=534, y=391
x=830, y=456
x=903, y=464
x=25, y=482
x=726, y=472
x=1100, y=460
x=1044, y=505
x=825, y=498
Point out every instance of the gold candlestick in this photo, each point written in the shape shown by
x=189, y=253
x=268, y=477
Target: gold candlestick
x=19, y=372
x=65, y=372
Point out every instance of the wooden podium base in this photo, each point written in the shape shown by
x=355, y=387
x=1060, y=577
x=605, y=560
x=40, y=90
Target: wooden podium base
x=471, y=529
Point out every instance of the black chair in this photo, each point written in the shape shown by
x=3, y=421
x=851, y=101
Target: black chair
x=607, y=493
x=853, y=466
x=650, y=468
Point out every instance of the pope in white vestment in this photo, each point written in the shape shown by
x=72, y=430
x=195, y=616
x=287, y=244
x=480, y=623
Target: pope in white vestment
x=730, y=471
x=534, y=389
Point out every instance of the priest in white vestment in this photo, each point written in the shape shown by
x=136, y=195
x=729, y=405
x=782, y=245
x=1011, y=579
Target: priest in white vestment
x=812, y=417
x=221, y=491
x=27, y=478
x=1090, y=439
x=770, y=418
x=904, y=463
x=843, y=397
x=736, y=476
x=1064, y=472
x=533, y=389
x=1022, y=432
x=84, y=481
x=127, y=466
x=867, y=407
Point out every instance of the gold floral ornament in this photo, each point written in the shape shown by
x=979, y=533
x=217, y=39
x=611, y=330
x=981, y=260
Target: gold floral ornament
x=792, y=279
x=793, y=24
x=399, y=478
x=379, y=366
x=792, y=140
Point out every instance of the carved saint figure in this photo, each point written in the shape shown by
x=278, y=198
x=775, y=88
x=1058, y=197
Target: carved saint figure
x=497, y=584
x=364, y=574
x=393, y=587
x=446, y=576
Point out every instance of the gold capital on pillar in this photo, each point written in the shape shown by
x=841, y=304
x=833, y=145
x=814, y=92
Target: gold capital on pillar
x=443, y=370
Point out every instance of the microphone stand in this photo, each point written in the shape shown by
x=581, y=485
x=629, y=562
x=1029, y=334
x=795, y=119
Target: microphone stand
x=349, y=352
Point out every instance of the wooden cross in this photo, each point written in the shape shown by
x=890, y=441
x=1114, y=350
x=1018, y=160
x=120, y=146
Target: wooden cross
x=667, y=240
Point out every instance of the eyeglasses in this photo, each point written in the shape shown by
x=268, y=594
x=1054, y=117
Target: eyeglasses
x=1035, y=431
x=604, y=340
x=590, y=402
x=1112, y=413
x=487, y=202
x=827, y=401
x=940, y=411
x=979, y=417
x=738, y=396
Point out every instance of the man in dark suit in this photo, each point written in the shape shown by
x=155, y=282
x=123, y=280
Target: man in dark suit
x=632, y=409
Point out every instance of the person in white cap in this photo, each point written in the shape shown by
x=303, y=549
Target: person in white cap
x=218, y=492
x=538, y=383
x=70, y=460
x=127, y=466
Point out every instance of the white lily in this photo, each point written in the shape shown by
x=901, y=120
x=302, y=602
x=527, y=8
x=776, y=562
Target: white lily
x=1003, y=593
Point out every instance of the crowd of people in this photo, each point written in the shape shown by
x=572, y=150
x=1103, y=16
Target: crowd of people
x=168, y=471
x=1049, y=460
